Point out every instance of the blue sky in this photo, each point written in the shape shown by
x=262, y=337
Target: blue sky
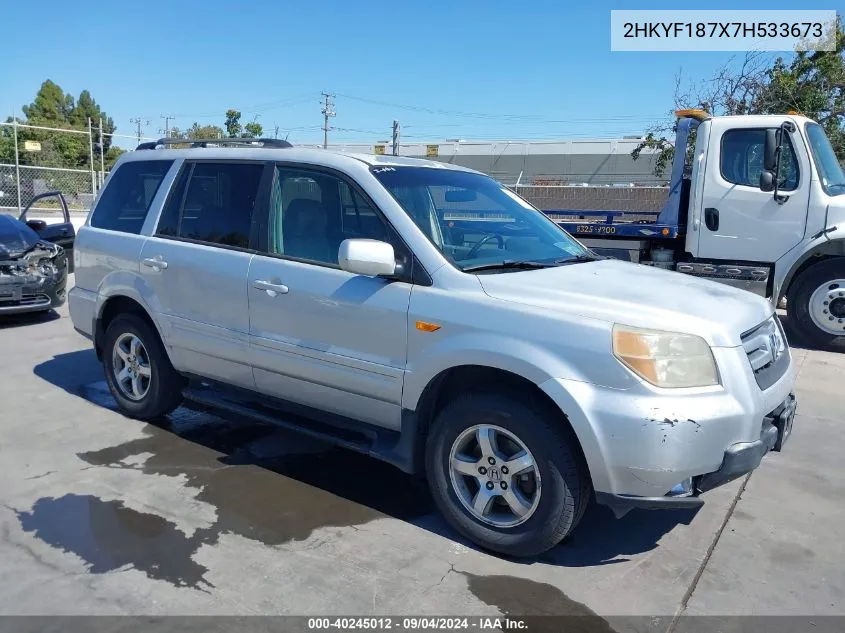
x=465, y=69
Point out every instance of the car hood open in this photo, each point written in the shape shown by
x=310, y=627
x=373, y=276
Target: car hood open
x=16, y=238
x=636, y=295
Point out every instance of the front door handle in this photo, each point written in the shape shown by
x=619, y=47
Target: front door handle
x=711, y=218
x=156, y=262
x=269, y=287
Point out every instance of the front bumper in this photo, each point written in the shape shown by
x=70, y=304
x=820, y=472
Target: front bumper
x=17, y=298
x=739, y=459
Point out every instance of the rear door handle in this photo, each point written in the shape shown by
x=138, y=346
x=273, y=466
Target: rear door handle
x=269, y=287
x=156, y=262
x=711, y=218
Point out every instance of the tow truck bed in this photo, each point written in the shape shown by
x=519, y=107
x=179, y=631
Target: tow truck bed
x=614, y=224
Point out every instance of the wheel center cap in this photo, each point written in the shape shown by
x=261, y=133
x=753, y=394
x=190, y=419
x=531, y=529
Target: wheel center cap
x=837, y=307
x=494, y=474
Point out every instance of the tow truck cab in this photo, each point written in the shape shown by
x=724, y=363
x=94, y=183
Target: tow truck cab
x=756, y=202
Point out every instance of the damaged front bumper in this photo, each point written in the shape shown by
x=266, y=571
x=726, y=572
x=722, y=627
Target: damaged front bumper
x=739, y=459
x=35, y=281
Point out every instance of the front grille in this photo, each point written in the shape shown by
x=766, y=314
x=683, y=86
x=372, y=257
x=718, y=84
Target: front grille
x=767, y=351
x=25, y=299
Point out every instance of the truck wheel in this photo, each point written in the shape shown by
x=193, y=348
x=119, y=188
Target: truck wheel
x=506, y=475
x=138, y=371
x=816, y=305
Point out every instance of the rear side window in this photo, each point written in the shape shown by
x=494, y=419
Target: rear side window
x=214, y=203
x=127, y=198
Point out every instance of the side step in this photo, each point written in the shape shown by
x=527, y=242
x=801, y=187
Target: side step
x=398, y=449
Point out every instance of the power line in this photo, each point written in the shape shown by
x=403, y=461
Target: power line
x=328, y=111
x=487, y=116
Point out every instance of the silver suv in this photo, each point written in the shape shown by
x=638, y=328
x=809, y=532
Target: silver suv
x=430, y=317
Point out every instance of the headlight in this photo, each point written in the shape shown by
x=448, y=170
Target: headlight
x=665, y=359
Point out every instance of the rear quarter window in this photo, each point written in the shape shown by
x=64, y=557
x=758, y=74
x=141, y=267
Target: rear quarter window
x=127, y=198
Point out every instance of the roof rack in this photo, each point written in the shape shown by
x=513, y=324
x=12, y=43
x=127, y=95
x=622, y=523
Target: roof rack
x=216, y=142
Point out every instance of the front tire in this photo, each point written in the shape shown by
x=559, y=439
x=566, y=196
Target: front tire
x=506, y=474
x=138, y=372
x=816, y=305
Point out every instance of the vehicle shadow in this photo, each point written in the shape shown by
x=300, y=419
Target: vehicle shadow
x=10, y=321
x=328, y=486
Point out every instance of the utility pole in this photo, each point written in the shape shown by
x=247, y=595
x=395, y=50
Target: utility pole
x=276, y=132
x=139, y=121
x=102, y=154
x=167, y=119
x=396, y=138
x=328, y=111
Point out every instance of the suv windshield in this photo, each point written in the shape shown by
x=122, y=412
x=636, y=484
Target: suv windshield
x=830, y=171
x=476, y=222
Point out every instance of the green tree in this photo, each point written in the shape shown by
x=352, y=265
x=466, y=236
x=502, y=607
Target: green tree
x=253, y=130
x=233, y=123
x=51, y=105
x=55, y=109
x=204, y=131
x=86, y=107
x=813, y=83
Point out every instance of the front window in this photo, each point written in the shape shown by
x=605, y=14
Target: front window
x=476, y=222
x=830, y=171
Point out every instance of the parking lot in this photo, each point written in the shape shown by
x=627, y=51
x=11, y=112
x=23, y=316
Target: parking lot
x=100, y=514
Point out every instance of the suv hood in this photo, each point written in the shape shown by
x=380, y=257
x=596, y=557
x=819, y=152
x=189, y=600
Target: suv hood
x=636, y=295
x=16, y=238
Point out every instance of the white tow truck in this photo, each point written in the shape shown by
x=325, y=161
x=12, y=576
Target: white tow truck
x=755, y=201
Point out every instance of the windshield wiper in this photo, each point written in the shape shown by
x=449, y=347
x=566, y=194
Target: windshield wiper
x=509, y=264
x=575, y=259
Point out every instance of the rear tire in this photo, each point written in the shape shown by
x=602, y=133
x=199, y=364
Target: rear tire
x=816, y=305
x=138, y=371
x=551, y=495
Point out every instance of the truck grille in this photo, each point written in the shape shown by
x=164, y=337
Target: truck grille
x=767, y=351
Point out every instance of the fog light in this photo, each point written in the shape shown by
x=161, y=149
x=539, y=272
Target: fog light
x=683, y=489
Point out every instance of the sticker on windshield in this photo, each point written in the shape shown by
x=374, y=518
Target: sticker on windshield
x=516, y=198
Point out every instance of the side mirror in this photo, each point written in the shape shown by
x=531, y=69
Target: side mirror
x=367, y=257
x=767, y=180
x=36, y=225
x=770, y=150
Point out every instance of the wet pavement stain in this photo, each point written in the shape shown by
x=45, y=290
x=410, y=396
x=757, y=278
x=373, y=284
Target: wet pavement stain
x=109, y=536
x=537, y=601
x=266, y=484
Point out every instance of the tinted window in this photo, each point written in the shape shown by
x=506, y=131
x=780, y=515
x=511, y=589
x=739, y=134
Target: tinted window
x=311, y=213
x=742, y=159
x=128, y=196
x=213, y=202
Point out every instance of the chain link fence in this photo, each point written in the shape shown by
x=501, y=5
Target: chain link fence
x=37, y=159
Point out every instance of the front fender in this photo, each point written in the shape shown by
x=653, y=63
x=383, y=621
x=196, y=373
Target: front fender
x=553, y=375
x=484, y=349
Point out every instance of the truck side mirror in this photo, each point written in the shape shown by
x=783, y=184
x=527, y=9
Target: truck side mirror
x=767, y=180
x=770, y=150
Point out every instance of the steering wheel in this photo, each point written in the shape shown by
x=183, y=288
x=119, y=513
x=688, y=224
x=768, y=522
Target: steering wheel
x=477, y=247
